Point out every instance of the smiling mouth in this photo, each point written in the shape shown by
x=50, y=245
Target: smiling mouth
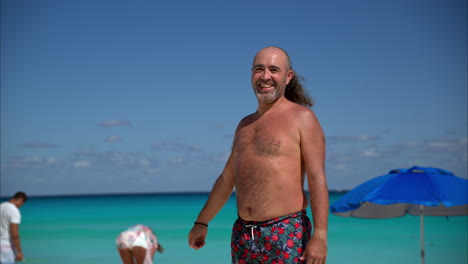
x=265, y=87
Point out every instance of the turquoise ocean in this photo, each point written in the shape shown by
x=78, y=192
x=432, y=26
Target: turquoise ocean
x=82, y=229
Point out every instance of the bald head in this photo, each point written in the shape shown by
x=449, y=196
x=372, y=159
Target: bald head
x=279, y=53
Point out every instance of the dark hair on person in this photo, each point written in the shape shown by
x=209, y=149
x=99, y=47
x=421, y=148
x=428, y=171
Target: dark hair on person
x=295, y=91
x=20, y=195
x=160, y=248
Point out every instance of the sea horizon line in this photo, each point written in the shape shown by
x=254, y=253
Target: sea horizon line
x=2, y=197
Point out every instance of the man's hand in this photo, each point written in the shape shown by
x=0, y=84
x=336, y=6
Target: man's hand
x=197, y=236
x=315, y=251
x=19, y=256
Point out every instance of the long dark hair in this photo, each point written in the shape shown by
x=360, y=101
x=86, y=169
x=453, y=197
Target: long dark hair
x=295, y=91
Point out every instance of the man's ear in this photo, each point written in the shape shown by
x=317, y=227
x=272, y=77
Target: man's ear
x=289, y=76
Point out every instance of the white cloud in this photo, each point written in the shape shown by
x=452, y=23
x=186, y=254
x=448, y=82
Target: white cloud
x=464, y=141
x=410, y=144
x=111, y=139
x=52, y=160
x=34, y=159
x=176, y=161
x=175, y=146
x=439, y=144
x=144, y=162
x=348, y=164
x=153, y=170
x=355, y=138
x=115, y=123
x=341, y=166
x=371, y=152
x=81, y=164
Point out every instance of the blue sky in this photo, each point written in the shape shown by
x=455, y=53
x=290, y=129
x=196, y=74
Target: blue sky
x=144, y=96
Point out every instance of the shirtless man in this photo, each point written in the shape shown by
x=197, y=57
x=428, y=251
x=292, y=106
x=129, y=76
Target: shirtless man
x=273, y=150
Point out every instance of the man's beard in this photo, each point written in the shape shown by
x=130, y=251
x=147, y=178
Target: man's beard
x=267, y=98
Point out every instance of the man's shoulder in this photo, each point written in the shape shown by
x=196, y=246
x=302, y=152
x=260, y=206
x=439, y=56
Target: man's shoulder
x=247, y=119
x=299, y=111
x=7, y=206
x=292, y=106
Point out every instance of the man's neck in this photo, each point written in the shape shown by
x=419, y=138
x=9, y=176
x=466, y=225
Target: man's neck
x=14, y=202
x=263, y=108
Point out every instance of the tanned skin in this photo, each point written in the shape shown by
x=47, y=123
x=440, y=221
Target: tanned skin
x=274, y=149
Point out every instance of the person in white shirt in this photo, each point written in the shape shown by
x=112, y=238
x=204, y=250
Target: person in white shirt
x=10, y=219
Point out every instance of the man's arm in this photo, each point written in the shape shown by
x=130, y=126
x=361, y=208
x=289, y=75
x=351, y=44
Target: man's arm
x=219, y=195
x=313, y=152
x=15, y=238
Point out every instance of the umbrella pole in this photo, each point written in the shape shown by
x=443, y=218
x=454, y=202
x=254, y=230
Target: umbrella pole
x=421, y=224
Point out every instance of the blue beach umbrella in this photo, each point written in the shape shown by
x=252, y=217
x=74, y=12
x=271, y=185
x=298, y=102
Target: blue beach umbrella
x=416, y=191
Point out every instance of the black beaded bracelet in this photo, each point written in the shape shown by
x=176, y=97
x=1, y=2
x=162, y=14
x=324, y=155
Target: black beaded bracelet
x=198, y=223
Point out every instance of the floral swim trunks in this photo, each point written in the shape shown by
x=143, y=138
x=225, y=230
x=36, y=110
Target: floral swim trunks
x=277, y=241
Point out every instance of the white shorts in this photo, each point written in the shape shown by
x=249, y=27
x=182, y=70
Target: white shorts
x=129, y=239
x=7, y=256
